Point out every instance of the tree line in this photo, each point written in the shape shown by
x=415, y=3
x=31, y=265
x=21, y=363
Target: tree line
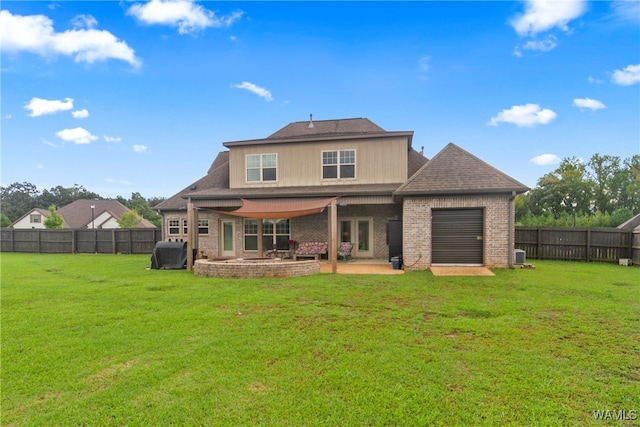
x=19, y=198
x=602, y=192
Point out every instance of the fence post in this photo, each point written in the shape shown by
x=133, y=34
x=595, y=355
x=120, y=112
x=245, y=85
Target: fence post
x=588, y=245
x=539, y=243
x=113, y=241
x=39, y=237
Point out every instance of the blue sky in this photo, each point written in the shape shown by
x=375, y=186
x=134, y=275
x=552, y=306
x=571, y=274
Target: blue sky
x=139, y=96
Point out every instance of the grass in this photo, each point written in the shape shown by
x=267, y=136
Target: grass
x=100, y=340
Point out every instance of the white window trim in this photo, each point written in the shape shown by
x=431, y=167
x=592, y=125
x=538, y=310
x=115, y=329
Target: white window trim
x=169, y=227
x=260, y=168
x=338, y=164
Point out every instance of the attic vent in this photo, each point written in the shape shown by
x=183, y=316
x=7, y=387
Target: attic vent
x=193, y=187
x=310, y=121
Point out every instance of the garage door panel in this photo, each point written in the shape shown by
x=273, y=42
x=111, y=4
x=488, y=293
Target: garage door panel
x=457, y=236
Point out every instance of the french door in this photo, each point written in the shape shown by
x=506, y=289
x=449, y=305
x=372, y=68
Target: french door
x=358, y=231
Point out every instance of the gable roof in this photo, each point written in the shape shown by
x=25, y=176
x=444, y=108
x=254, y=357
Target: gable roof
x=323, y=130
x=43, y=212
x=456, y=171
x=78, y=214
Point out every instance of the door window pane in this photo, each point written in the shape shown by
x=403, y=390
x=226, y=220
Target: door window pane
x=363, y=235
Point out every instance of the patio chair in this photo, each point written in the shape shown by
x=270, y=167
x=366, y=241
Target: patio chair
x=345, y=250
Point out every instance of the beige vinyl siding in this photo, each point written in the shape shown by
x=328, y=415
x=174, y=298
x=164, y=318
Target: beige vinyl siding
x=378, y=161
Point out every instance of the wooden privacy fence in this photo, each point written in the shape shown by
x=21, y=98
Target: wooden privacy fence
x=578, y=244
x=69, y=241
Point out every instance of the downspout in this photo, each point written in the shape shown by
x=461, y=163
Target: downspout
x=512, y=227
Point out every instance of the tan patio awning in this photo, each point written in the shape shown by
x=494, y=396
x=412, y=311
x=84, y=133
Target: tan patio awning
x=267, y=210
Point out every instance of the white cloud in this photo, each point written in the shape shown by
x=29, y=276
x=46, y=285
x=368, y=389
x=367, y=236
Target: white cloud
x=184, y=14
x=546, y=159
x=524, y=116
x=35, y=34
x=112, y=138
x=537, y=45
x=592, y=104
x=76, y=135
x=7, y=116
x=80, y=114
x=84, y=21
x=139, y=148
x=626, y=11
x=39, y=106
x=544, y=15
x=260, y=91
x=628, y=76
x=593, y=80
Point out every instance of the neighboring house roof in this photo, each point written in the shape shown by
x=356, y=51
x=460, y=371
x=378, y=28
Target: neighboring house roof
x=324, y=130
x=78, y=214
x=632, y=224
x=43, y=212
x=456, y=171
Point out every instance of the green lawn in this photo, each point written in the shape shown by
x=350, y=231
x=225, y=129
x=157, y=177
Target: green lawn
x=100, y=340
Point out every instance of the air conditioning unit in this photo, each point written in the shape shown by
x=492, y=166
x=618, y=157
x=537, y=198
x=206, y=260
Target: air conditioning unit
x=520, y=256
x=625, y=261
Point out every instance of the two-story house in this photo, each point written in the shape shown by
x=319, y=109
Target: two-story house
x=261, y=193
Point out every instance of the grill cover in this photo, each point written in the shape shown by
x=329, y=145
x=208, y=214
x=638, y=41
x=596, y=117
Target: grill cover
x=169, y=255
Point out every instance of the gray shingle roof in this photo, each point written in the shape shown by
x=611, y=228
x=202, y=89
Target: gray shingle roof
x=456, y=171
x=324, y=130
x=78, y=214
x=327, y=127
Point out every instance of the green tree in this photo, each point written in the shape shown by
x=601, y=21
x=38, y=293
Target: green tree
x=18, y=198
x=567, y=190
x=61, y=196
x=129, y=219
x=608, y=181
x=4, y=220
x=54, y=220
x=143, y=207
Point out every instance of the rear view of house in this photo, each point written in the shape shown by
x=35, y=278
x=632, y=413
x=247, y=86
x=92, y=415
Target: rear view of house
x=261, y=194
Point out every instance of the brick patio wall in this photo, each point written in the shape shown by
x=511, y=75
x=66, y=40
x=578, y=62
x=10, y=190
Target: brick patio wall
x=231, y=269
x=416, y=217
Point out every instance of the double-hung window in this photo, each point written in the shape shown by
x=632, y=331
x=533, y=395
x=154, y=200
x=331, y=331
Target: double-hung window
x=275, y=234
x=203, y=226
x=35, y=218
x=174, y=227
x=262, y=167
x=339, y=164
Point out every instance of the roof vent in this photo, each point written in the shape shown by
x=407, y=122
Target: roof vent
x=310, y=121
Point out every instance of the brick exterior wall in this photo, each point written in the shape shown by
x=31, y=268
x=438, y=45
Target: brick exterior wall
x=498, y=239
x=309, y=228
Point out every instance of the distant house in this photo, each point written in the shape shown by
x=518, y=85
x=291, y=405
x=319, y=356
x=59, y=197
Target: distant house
x=389, y=199
x=32, y=219
x=79, y=214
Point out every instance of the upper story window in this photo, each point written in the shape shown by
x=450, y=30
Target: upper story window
x=262, y=167
x=35, y=218
x=338, y=164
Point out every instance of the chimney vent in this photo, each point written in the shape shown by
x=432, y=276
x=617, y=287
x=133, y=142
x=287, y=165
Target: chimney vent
x=310, y=121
